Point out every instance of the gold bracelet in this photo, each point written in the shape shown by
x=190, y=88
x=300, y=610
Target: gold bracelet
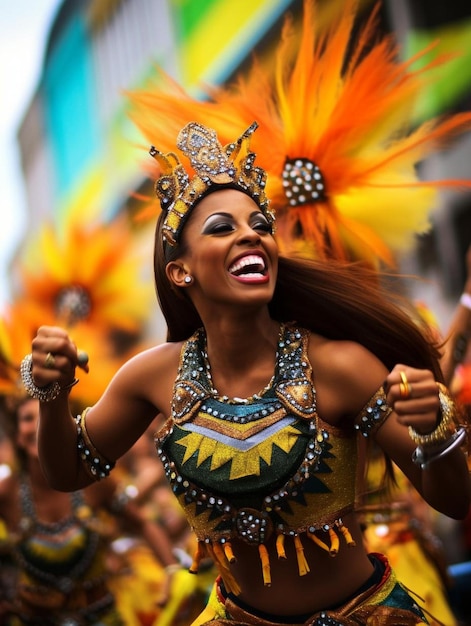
x=445, y=428
x=95, y=463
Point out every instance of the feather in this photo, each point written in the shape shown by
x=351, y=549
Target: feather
x=337, y=94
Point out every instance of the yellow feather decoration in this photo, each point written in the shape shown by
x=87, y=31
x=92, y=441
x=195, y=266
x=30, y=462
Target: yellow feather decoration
x=86, y=278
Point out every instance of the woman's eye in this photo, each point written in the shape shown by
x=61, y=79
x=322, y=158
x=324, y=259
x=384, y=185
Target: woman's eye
x=263, y=226
x=218, y=228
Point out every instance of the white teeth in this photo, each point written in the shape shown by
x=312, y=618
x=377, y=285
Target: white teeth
x=251, y=260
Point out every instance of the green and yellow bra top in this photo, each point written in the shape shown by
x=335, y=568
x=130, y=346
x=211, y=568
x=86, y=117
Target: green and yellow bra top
x=61, y=566
x=262, y=467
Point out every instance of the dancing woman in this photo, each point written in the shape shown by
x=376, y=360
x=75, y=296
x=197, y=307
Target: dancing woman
x=275, y=374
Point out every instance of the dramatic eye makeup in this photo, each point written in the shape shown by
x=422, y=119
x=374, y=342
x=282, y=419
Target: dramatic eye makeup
x=218, y=223
x=225, y=222
x=260, y=222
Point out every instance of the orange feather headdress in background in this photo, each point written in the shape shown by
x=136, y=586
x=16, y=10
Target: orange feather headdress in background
x=86, y=278
x=336, y=135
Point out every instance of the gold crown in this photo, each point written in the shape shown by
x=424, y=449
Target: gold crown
x=214, y=165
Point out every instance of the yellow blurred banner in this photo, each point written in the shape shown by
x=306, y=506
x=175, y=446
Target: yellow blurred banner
x=214, y=36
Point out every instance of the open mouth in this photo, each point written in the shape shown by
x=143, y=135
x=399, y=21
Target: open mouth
x=249, y=267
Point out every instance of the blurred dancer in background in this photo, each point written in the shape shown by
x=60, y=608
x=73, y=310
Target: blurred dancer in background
x=60, y=542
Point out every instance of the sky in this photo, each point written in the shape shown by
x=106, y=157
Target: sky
x=24, y=26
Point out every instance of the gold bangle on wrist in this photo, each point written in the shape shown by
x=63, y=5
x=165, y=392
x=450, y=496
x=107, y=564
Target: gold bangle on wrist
x=445, y=428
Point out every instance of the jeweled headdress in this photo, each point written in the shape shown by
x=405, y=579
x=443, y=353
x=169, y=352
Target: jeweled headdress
x=214, y=165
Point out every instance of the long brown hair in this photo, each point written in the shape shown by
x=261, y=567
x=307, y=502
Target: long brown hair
x=349, y=302
x=181, y=316
x=333, y=299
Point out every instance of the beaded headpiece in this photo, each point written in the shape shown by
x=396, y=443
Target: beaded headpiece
x=214, y=165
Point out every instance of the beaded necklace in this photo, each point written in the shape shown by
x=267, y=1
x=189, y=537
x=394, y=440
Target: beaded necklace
x=29, y=556
x=235, y=400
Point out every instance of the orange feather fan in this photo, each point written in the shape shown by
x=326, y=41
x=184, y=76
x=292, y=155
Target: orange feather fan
x=342, y=105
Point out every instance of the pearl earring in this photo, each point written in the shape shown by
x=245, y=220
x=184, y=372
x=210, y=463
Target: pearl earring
x=188, y=279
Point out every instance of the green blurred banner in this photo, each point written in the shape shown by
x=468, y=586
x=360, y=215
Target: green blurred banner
x=452, y=80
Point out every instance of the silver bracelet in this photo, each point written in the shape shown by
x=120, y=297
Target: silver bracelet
x=421, y=457
x=43, y=394
x=465, y=300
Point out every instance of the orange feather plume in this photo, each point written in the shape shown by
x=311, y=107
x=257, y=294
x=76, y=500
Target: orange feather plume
x=339, y=98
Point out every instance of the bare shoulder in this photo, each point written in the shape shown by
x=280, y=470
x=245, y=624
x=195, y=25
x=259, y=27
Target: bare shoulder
x=156, y=359
x=343, y=356
x=159, y=363
x=346, y=375
x=141, y=389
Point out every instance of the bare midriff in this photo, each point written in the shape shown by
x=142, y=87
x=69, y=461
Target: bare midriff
x=331, y=580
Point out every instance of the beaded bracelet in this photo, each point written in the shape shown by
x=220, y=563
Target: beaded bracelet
x=445, y=428
x=94, y=463
x=43, y=394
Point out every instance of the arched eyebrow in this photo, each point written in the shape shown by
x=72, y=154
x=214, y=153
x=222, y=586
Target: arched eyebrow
x=214, y=217
x=218, y=214
x=225, y=214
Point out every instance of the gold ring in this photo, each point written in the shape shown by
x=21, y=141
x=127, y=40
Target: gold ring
x=50, y=361
x=405, y=389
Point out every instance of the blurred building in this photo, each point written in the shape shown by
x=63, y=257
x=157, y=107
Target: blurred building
x=440, y=256
x=78, y=148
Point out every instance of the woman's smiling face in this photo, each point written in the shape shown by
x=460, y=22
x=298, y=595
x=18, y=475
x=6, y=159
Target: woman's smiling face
x=231, y=252
x=28, y=419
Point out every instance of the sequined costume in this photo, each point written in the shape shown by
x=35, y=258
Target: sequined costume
x=61, y=569
x=263, y=466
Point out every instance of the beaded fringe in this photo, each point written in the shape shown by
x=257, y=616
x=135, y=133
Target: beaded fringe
x=223, y=555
